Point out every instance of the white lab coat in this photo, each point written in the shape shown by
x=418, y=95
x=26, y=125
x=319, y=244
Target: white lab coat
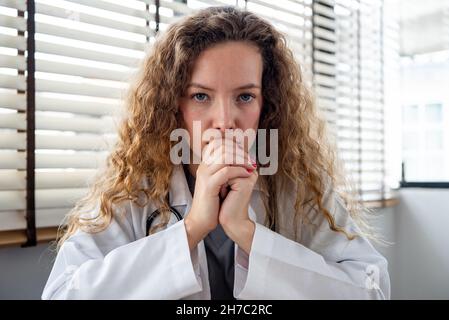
x=122, y=263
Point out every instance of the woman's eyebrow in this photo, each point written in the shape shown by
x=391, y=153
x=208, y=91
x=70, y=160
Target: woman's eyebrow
x=246, y=86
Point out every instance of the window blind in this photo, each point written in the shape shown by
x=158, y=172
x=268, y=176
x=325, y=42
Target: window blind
x=324, y=60
x=13, y=25
x=360, y=94
x=85, y=50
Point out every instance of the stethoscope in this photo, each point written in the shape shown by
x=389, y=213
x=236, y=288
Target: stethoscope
x=178, y=216
x=155, y=213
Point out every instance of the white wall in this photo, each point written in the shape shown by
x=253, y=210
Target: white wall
x=421, y=252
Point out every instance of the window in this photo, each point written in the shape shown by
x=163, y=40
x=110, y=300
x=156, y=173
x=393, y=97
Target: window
x=424, y=70
x=425, y=146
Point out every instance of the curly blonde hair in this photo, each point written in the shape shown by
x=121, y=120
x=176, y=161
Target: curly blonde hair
x=306, y=157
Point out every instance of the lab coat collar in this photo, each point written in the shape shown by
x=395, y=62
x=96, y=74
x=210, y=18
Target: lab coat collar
x=179, y=189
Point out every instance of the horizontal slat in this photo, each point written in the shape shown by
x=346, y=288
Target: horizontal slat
x=91, y=19
x=302, y=48
x=325, y=57
x=64, y=179
x=76, y=142
x=84, y=89
x=12, y=180
x=16, y=180
x=275, y=20
x=325, y=45
x=326, y=103
x=77, y=124
x=18, y=23
x=58, y=198
x=60, y=31
x=45, y=122
x=95, y=108
x=14, y=42
x=12, y=220
x=354, y=158
x=12, y=62
x=346, y=129
x=328, y=2
x=84, y=53
x=12, y=82
x=45, y=198
x=12, y=200
x=73, y=106
x=325, y=34
x=78, y=160
x=364, y=167
x=356, y=117
x=369, y=133
x=325, y=80
x=79, y=70
x=13, y=101
x=12, y=160
x=175, y=6
x=12, y=140
x=168, y=20
x=357, y=149
x=325, y=68
x=324, y=92
x=108, y=6
x=51, y=216
x=323, y=10
x=273, y=5
x=325, y=22
x=13, y=121
x=14, y=4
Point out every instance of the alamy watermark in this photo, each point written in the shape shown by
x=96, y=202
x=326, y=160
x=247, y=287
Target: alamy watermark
x=372, y=277
x=181, y=151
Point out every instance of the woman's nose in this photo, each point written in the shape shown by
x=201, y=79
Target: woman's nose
x=223, y=115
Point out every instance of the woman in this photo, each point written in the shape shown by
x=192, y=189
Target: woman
x=287, y=235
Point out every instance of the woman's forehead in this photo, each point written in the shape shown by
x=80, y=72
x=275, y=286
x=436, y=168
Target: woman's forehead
x=235, y=63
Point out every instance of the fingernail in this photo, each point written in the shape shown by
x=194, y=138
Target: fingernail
x=253, y=162
x=250, y=170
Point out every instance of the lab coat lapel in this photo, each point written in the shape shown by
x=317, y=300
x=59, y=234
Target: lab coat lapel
x=181, y=198
x=179, y=189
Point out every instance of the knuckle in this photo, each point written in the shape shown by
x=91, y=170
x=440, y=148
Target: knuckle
x=226, y=171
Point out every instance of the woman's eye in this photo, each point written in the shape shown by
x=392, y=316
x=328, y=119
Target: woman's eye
x=245, y=97
x=200, y=97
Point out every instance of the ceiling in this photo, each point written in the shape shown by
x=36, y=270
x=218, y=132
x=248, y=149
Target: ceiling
x=413, y=9
x=424, y=26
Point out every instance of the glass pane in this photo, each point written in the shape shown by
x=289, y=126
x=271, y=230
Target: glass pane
x=411, y=140
x=434, y=113
x=434, y=139
x=410, y=114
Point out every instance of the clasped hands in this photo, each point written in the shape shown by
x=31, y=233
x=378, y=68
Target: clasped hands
x=224, y=183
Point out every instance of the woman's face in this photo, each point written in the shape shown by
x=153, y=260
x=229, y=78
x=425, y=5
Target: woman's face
x=225, y=91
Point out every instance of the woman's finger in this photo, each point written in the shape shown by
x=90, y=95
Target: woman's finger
x=227, y=173
x=225, y=156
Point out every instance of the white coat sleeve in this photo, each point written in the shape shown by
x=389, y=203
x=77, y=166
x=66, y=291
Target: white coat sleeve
x=326, y=265
x=159, y=266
